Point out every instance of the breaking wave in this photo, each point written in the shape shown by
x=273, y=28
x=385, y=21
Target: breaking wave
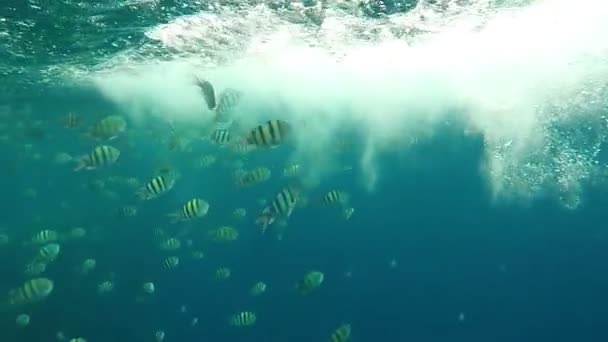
x=529, y=78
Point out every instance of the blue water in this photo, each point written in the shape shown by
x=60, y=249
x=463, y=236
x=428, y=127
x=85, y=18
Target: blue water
x=468, y=267
x=516, y=272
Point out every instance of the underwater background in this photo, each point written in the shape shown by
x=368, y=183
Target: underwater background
x=446, y=162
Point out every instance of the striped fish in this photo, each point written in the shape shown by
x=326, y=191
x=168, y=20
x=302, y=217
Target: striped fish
x=242, y=319
x=269, y=134
x=171, y=262
x=48, y=253
x=71, y=120
x=109, y=127
x=156, y=187
x=194, y=208
x=224, y=234
x=170, y=244
x=33, y=290
x=228, y=100
x=253, y=177
x=220, y=136
x=281, y=207
x=102, y=155
x=45, y=236
x=126, y=211
x=335, y=197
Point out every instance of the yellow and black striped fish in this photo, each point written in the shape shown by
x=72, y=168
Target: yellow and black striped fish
x=100, y=156
x=45, y=236
x=269, y=134
x=224, y=234
x=335, y=197
x=194, y=208
x=243, y=319
x=109, y=127
x=281, y=207
x=253, y=177
x=33, y=290
x=220, y=136
x=156, y=187
x=341, y=334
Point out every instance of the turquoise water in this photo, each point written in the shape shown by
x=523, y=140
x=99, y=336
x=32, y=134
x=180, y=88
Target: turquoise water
x=469, y=136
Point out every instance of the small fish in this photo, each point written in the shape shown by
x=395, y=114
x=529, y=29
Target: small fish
x=208, y=92
x=71, y=120
x=170, y=244
x=76, y=233
x=311, y=281
x=78, y=339
x=109, y=127
x=32, y=291
x=239, y=213
x=242, y=147
x=100, y=156
x=48, y=253
x=228, y=100
x=198, y=255
x=206, y=161
x=194, y=208
x=242, y=319
x=104, y=287
x=291, y=170
x=222, y=273
x=45, y=236
x=269, y=134
x=258, y=288
x=220, y=136
x=126, y=211
x=171, y=262
x=88, y=265
x=341, y=334
x=62, y=158
x=157, y=186
x=253, y=177
x=347, y=213
x=281, y=207
x=148, y=288
x=336, y=197
x=23, y=320
x=224, y=234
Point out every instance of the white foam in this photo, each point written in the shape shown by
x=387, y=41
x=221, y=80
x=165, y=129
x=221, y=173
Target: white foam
x=513, y=74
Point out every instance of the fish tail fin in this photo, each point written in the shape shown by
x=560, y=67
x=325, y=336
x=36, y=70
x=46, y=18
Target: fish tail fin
x=81, y=163
x=174, y=217
x=141, y=194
